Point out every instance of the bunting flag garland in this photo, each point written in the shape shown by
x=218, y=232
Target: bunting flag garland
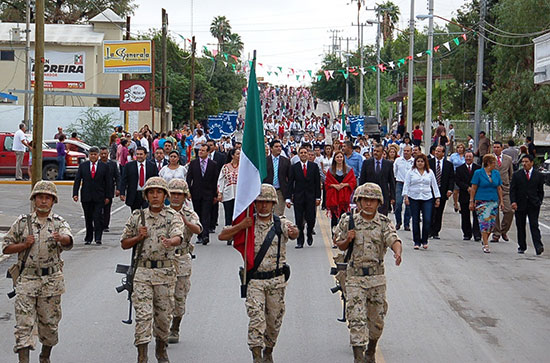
x=331, y=74
x=392, y=65
x=327, y=74
x=280, y=69
x=268, y=73
x=457, y=42
x=436, y=48
x=235, y=58
x=429, y=52
x=309, y=71
x=464, y=36
x=418, y=55
x=319, y=77
x=297, y=77
x=226, y=56
x=447, y=45
x=214, y=52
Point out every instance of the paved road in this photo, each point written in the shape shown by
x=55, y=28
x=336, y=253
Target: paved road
x=450, y=303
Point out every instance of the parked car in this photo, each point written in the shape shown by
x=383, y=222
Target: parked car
x=372, y=128
x=80, y=146
x=545, y=170
x=49, y=159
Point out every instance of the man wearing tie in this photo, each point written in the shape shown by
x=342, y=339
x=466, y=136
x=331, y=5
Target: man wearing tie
x=304, y=191
x=463, y=179
x=444, y=174
x=202, y=178
x=505, y=167
x=219, y=158
x=114, y=182
x=278, y=170
x=96, y=189
x=160, y=160
x=134, y=176
x=380, y=171
x=526, y=195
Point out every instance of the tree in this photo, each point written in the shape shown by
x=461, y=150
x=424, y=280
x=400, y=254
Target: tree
x=66, y=11
x=234, y=45
x=93, y=127
x=333, y=89
x=389, y=12
x=220, y=29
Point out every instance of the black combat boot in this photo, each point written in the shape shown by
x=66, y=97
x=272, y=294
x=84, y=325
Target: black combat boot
x=45, y=354
x=257, y=354
x=23, y=354
x=142, y=353
x=268, y=355
x=175, y=330
x=160, y=352
x=358, y=354
x=371, y=351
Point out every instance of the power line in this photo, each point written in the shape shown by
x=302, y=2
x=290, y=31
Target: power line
x=517, y=34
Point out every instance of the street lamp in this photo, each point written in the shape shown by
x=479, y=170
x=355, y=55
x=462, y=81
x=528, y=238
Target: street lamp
x=410, y=82
x=428, y=119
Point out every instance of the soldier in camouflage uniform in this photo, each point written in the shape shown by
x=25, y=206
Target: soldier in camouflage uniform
x=155, y=276
x=365, y=281
x=41, y=283
x=179, y=194
x=265, y=299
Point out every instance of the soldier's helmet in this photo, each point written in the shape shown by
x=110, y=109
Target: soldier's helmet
x=44, y=187
x=156, y=182
x=369, y=190
x=178, y=186
x=267, y=194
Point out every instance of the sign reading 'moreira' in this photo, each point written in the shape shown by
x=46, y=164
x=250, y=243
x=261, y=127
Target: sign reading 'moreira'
x=127, y=56
x=62, y=69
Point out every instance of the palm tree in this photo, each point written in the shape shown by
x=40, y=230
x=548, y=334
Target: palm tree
x=234, y=44
x=390, y=16
x=220, y=29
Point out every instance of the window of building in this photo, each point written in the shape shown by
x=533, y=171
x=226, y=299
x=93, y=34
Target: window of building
x=7, y=55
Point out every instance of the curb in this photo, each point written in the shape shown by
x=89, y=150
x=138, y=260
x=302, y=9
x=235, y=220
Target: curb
x=28, y=182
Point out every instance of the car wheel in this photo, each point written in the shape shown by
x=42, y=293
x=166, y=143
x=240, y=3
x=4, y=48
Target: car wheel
x=49, y=172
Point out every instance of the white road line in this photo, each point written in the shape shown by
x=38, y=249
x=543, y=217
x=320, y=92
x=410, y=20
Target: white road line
x=112, y=213
x=544, y=225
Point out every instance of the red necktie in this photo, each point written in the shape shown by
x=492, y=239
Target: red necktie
x=141, y=176
x=527, y=174
x=93, y=170
x=160, y=165
x=305, y=171
x=499, y=162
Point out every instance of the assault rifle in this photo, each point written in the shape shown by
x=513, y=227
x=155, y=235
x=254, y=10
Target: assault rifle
x=338, y=288
x=130, y=271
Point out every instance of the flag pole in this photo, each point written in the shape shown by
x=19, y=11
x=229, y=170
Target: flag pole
x=245, y=285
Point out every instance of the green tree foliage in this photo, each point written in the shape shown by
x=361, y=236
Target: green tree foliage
x=66, y=11
x=389, y=16
x=220, y=29
x=514, y=98
x=333, y=89
x=93, y=127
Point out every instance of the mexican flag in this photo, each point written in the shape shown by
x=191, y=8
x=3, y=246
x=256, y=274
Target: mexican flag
x=252, y=167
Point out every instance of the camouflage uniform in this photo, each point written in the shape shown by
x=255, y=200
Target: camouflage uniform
x=41, y=283
x=366, y=295
x=265, y=299
x=183, y=261
x=153, y=295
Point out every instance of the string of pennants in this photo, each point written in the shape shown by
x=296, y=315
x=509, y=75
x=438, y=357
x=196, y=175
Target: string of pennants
x=244, y=67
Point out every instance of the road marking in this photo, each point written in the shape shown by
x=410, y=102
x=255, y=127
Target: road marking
x=544, y=225
x=326, y=233
x=112, y=213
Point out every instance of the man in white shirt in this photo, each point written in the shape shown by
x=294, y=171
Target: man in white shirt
x=401, y=167
x=20, y=144
x=144, y=142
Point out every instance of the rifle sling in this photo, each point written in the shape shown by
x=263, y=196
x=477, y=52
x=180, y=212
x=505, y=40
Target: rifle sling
x=351, y=226
x=265, y=246
x=28, y=250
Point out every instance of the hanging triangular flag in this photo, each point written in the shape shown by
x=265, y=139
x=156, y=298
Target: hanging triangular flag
x=292, y=70
x=215, y=52
x=268, y=73
x=429, y=52
x=250, y=63
x=234, y=67
x=392, y=65
x=436, y=48
x=351, y=69
x=297, y=77
x=225, y=55
x=280, y=69
x=319, y=76
x=346, y=75
x=331, y=74
x=355, y=73
x=277, y=74
x=382, y=67
x=205, y=49
x=401, y=61
x=410, y=57
x=213, y=59
x=464, y=36
x=261, y=64
x=373, y=68
x=457, y=41
x=418, y=55
x=447, y=45
x=235, y=58
x=327, y=75
x=363, y=70
x=309, y=71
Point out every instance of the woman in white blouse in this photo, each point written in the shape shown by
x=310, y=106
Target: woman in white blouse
x=173, y=170
x=227, y=185
x=419, y=191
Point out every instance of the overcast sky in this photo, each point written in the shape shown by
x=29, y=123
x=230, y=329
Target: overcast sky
x=287, y=33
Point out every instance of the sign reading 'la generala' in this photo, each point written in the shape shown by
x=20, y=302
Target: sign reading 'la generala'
x=127, y=56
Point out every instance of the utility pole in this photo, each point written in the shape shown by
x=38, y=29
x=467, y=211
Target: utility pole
x=163, y=118
x=153, y=88
x=428, y=120
x=479, y=71
x=192, y=104
x=361, y=79
x=347, y=55
x=410, y=81
x=38, y=111
x=378, y=69
x=126, y=76
x=27, y=97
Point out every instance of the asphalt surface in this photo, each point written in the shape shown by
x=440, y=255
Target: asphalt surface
x=451, y=303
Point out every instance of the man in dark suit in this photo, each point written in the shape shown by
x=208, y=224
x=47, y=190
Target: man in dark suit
x=304, y=191
x=444, y=174
x=220, y=159
x=278, y=170
x=202, y=178
x=526, y=195
x=134, y=176
x=160, y=159
x=114, y=183
x=380, y=171
x=96, y=189
x=463, y=178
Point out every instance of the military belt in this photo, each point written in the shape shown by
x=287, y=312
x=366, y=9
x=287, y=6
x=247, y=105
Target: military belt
x=182, y=251
x=156, y=264
x=363, y=271
x=266, y=275
x=41, y=271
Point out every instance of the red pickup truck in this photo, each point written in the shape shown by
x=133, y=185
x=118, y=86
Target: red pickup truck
x=49, y=157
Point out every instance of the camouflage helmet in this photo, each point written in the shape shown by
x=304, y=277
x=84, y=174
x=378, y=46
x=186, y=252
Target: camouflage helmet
x=156, y=182
x=178, y=186
x=369, y=190
x=267, y=194
x=44, y=187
